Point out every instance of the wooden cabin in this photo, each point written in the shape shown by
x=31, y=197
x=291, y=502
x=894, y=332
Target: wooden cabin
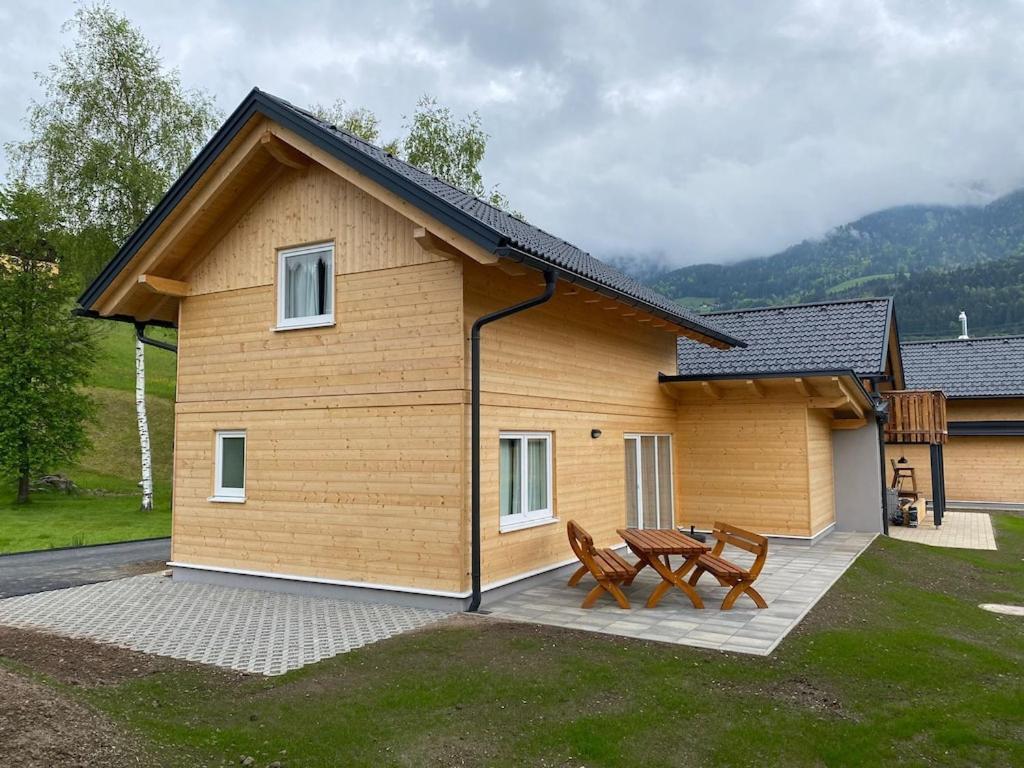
x=325, y=296
x=983, y=380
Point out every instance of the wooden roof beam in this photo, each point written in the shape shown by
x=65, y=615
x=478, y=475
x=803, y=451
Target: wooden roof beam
x=711, y=390
x=438, y=246
x=756, y=387
x=849, y=423
x=804, y=387
x=164, y=286
x=854, y=405
x=284, y=153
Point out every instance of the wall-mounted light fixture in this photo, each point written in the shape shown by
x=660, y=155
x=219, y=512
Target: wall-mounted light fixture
x=595, y=433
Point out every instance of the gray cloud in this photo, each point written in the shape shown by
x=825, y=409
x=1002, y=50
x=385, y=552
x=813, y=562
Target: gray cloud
x=699, y=131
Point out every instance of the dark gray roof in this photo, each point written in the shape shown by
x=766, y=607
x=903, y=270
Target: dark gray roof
x=987, y=367
x=491, y=228
x=833, y=336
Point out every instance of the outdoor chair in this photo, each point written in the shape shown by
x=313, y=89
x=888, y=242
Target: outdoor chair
x=729, y=574
x=605, y=565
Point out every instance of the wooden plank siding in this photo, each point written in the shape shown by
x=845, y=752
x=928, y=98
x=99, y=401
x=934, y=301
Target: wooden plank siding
x=566, y=367
x=762, y=465
x=821, y=483
x=355, y=432
x=987, y=469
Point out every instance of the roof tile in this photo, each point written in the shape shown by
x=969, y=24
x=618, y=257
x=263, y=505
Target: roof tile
x=965, y=368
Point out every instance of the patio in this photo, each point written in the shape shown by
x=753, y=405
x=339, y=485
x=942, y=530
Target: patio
x=794, y=578
x=962, y=530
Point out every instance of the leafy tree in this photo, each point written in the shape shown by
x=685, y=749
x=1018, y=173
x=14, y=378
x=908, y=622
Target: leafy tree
x=359, y=121
x=450, y=149
x=45, y=352
x=112, y=133
x=436, y=141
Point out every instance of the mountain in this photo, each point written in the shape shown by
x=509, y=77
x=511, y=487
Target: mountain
x=937, y=260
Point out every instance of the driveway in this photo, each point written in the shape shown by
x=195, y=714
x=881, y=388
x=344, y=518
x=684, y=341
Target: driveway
x=30, y=572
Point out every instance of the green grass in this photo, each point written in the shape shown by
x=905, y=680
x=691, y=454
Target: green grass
x=55, y=519
x=107, y=509
x=856, y=282
x=115, y=364
x=896, y=666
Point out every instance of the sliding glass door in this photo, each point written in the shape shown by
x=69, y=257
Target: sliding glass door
x=649, y=481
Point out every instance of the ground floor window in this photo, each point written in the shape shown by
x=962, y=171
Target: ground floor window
x=649, y=481
x=524, y=479
x=229, y=466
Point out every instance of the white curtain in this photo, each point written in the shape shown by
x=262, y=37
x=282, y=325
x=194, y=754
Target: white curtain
x=305, y=285
x=537, y=472
x=508, y=477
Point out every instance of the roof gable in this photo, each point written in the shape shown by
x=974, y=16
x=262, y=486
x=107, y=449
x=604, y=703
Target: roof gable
x=491, y=229
x=832, y=336
x=967, y=368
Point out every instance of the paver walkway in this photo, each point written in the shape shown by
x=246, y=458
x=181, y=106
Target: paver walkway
x=794, y=578
x=242, y=629
x=963, y=530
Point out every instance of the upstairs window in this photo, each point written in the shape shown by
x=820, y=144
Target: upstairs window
x=305, y=286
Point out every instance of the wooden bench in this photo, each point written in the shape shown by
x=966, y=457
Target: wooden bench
x=605, y=565
x=729, y=574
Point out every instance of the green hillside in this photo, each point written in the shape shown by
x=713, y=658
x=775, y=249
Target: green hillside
x=107, y=506
x=936, y=260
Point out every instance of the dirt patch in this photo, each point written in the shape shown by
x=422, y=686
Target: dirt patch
x=146, y=566
x=807, y=695
x=82, y=662
x=41, y=727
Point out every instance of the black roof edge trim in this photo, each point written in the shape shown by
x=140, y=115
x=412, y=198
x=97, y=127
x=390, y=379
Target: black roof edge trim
x=986, y=428
x=258, y=102
x=665, y=378
x=522, y=257
x=807, y=305
x=1016, y=396
x=92, y=314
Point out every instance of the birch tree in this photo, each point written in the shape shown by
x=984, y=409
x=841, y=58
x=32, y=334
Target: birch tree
x=113, y=132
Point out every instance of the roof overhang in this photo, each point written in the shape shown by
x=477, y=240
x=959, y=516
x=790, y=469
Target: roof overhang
x=104, y=296
x=841, y=392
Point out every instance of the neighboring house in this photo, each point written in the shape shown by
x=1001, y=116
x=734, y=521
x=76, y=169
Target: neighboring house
x=772, y=446
x=983, y=380
x=327, y=297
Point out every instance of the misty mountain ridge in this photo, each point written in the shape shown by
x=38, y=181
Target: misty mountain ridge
x=935, y=259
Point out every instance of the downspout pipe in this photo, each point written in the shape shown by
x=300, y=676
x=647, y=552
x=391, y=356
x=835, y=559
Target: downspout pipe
x=550, y=280
x=882, y=418
x=140, y=333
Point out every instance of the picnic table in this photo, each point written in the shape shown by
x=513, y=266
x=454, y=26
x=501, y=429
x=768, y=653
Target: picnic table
x=650, y=546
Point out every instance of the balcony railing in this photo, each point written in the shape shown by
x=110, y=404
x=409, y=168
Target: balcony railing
x=916, y=416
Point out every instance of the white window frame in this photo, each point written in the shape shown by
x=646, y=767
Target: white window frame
x=636, y=436
x=220, y=493
x=312, y=321
x=524, y=518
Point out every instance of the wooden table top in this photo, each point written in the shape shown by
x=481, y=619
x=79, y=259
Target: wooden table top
x=662, y=541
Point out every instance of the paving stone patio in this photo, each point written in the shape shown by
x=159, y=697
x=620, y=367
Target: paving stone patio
x=794, y=578
x=963, y=530
x=268, y=633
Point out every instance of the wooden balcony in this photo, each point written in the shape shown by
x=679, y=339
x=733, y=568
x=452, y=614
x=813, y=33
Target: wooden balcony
x=916, y=416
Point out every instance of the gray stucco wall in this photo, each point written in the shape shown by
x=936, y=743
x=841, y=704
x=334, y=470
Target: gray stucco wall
x=858, y=483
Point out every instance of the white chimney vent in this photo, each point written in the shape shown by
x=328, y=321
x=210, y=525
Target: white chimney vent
x=963, y=325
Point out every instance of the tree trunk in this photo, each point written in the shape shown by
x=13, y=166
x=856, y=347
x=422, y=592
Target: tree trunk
x=23, y=487
x=140, y=412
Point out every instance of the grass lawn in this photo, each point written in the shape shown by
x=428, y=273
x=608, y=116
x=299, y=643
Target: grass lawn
x=54, y=519
x=896, y=666
x=109, y=471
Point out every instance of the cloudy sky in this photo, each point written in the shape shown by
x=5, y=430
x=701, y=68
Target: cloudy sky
x=697, y=131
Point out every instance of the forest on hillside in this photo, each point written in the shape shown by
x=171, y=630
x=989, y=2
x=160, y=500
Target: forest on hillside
x=936, y=261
